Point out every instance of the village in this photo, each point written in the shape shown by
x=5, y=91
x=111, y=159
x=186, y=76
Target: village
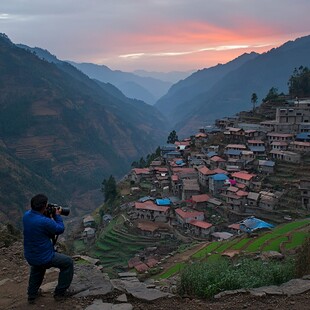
x=206, y=191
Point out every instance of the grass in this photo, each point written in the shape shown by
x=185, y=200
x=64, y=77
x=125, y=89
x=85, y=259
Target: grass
x=297, y=239
x=208, y=249
x=204, y=280
x=274, y=245
x=173, y=270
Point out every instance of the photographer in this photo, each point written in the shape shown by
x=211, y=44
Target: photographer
x=39, y=231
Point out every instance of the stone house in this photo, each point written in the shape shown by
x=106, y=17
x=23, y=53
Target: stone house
x=200, y=228
x=190, y=187
x=184, y=216
x=243, y=178
x=266, y=166
x=199, y=202
x=285, y=156
x=299, y=147
x=216, y=183
x=88, y=221
x=148, y=210
x=279, y=145
x=217, y=162
x=139, y=174
x=268, y=200
x=88, y=234
x=279, y=137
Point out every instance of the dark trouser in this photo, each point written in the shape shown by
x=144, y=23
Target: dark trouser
x=61, y=261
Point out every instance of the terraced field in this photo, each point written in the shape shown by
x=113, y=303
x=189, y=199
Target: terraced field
x=116, y=245
x=282, y=239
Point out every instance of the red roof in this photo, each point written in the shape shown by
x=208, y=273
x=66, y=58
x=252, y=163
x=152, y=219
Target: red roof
x=148, y=226
x=243, y=176
x=218, y=170
x=234, y=226
x=141, y=267
x=201, y=135
x=188, y=214
x=161, y=169
x=242, y=193
x=200, y=198
x=141, y=170
x=217, y=159
x=174, y=178
x=151, y=262
x=200, y=224
x=281, y=135
x=150, y=205
x=255, y=141
x=204, y=170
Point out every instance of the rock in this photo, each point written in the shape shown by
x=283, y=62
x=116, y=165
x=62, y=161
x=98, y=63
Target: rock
x=295, y=286
x=269, y=290
x=48, y=287
x=98, y=304
x=91, y=260
x=2, y=282
x=138, y=290
x=122, y=298
x=271, y=255
x=127, y=274
x=231, y=292
x=88, y=281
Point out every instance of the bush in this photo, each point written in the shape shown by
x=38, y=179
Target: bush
x=303, y=259
x=204, y=280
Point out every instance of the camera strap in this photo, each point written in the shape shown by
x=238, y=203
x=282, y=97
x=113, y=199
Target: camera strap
x=54, y=239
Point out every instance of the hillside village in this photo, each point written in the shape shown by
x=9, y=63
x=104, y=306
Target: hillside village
x=218, y=183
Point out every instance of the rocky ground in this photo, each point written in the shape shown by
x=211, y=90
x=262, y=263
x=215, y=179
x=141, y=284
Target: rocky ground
x=14, y=277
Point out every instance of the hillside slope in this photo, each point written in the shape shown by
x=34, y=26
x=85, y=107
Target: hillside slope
x=64, y=131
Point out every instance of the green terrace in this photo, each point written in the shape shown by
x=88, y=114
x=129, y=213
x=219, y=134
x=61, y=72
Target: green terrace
x=284, y=237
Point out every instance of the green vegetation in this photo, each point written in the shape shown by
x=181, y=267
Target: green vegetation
x=299, y=82
x=204, y=280
x=172, y=271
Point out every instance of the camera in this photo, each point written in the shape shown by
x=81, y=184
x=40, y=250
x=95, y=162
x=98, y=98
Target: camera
x=51, y=210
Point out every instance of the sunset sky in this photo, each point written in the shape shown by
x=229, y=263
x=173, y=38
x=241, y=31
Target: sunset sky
x=154, y=35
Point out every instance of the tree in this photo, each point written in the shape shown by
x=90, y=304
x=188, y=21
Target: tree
x=173, y=137
x=299, y=82
x=272, y=94
x=254, y=100
x=109, y=189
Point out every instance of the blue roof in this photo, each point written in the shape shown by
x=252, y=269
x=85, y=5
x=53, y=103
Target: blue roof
x=163, y=202
x=257, y=148
x=268, y=163
x=303, y=136
x=252, y=223
x=212, y=153
x=168, y=147
x=219, y=177
x=233, y=152
x=179, y=162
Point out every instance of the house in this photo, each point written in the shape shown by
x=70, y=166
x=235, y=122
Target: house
x=147, y=228
x=185, y=216
x=243, y=177
x=299, y=146
x=266, y=166
x=214, y=203
x=88, y=234
x=164, y=149
x=220, y=236
x=200, y=228
x=239, y=147
x=304, y=187
x=217, y=162
x=203, y=176
x=190, y=187
x=285, y=156
x=216, y=183
x=268, y=200
x=257, y=147
x=279, y=137
x=235, y=198
x=200, y=201
x=88, y=221
x=139, y=174
x=279, y=145
x=150, y=211
x=252, y=224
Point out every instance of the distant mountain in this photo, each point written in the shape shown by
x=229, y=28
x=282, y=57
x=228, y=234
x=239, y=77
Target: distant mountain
x=205, y=96
x=198, y=83
x=147, y=89
x=172, y=77
x=62, y=133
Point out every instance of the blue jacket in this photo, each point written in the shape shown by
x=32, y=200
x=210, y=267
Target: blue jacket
x=38, y=231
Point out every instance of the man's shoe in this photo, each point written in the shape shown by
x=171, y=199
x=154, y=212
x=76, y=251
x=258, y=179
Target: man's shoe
x=64, y=295
x=32, y=299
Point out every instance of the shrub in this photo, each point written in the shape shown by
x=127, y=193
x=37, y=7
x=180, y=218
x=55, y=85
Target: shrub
x=204, y=280
x=303, y=259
